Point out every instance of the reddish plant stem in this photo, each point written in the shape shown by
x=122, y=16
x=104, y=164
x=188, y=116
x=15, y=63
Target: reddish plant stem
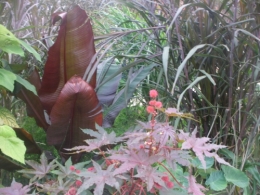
x=171, y=174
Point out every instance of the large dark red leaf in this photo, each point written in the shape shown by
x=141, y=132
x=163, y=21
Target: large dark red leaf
x=33, y=103
x=76, y=107
x=33, y=106
x=30, y=144
x=35, y=79
x=70, y=55
x=9, y=164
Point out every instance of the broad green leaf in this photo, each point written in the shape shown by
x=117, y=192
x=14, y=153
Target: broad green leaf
x=165, y=59
x=7, y=79
x=247, y=191
x=30, y=49
x=26, y=84
x=197, y=163
x=6, y=118
x=10, y=145
x=227, y=153
x=6, y=132
x=9, y=43
x=235, y=176
x=204, y=173
x=190, y=85
x=217, y=181
x=179, y=191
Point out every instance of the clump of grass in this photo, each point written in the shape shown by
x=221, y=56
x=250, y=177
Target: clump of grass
x=39, y=136
x=127, y=119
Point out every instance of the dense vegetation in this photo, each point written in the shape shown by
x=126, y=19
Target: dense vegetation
x=201, y=56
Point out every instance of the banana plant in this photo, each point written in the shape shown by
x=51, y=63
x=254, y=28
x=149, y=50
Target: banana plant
x=65, y=102
x=69, y=98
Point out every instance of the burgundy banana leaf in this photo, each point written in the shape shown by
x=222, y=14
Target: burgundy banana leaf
x=70, y=55
x=71, y=102
x=76, y=107
x=9, y=164
x=33, y=103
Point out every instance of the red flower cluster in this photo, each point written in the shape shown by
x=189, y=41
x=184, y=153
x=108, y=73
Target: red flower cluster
x=153, y=93
x=91, y=169
x=78, y=183
x=167, y=182
x=153, y=104
x=73, y=189
x=72, y=168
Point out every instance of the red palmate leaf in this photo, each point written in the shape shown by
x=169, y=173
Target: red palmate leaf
x=99, y=177
x=100, y=138
x=194, y=187
x=15, y=189
x=39, y=170
x=70, y=55
x=201, y=147
x=76, y=107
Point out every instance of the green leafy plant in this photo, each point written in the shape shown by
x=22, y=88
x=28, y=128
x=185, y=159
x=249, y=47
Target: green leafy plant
x=14, y=139
x=207, y=57
x=10, y=144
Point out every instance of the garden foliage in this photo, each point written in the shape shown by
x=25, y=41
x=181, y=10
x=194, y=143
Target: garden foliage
x=155, y=158
x=203, y=58
x=15, y=141
x=66, y=102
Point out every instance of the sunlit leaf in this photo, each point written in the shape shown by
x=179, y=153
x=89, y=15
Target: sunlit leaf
x=30, y=49
x=10, y=145
x=9, y=43
x=26, y=84
x=7, y=79
x=7, y=118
